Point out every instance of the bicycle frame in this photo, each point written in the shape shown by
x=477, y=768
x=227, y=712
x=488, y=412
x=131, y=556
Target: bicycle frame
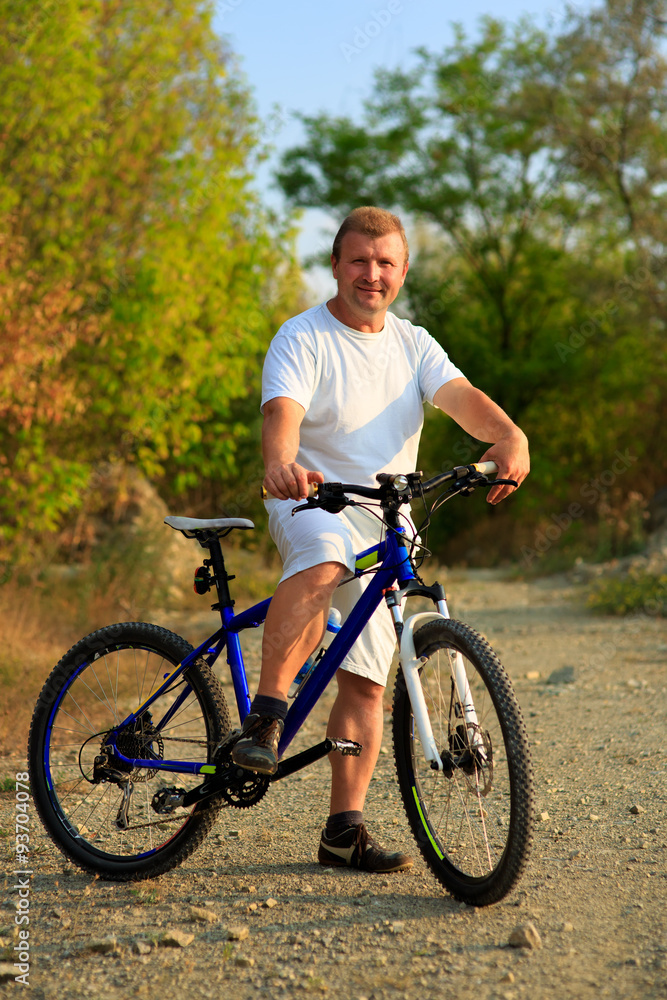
x=395, y=567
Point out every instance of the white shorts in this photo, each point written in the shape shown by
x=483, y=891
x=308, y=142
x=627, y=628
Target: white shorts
x=314, y=536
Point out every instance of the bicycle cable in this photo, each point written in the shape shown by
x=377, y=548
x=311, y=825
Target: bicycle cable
x=414, y=543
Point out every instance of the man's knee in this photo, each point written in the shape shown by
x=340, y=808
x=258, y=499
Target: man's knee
x=362, y=688
x=319, y=582
x=323, y=573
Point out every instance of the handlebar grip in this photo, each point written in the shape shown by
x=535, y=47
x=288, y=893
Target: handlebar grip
x=486, y=468
x=265, y=495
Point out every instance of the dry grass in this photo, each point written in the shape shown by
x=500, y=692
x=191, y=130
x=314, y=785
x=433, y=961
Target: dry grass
x=40, y=621
x=34, y=637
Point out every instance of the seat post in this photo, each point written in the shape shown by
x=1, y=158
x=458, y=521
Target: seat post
x=221, y=577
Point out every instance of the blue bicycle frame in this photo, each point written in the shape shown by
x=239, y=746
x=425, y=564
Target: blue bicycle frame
x=395, y=567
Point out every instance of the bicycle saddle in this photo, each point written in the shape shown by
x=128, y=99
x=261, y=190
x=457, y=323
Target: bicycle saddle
x=191, y=526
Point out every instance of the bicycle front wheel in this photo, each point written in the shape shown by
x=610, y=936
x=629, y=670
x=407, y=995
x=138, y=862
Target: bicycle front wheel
x=473, y=820
x=109, y=827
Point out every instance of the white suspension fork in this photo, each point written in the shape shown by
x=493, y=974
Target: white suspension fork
x=411, y=664
x=467, y=705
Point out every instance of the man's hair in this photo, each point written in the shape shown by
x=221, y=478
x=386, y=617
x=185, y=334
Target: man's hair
x=372, y=222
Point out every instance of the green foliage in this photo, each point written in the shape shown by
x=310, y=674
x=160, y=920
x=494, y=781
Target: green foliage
x=637, y=592
x=531, y=171
x=140, y=278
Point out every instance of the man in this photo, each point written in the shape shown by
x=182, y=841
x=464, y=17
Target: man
x=343, y=391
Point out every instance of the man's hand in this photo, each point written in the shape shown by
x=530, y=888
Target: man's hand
x=289, y=481
x=511, y=456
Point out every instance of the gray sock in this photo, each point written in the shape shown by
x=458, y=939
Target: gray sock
x=342, y=821
x=264, y=705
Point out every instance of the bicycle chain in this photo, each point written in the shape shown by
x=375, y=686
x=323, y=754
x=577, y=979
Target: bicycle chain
x=199, y=743
x=239, y=797
x=203, y=807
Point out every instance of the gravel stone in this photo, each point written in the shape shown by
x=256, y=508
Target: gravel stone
x=525, y=936
x=237, y=932
x=140, y=947
x=176, y=939
x=564, y=675
x=103, y=946
x=7, y=972
x=203, y=915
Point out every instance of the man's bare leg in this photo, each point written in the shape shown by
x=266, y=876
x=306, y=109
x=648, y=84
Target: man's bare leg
x=357, y=714
x=295, y=624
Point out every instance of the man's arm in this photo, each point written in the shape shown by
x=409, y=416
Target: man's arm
x=483, y=419
x=284, y=477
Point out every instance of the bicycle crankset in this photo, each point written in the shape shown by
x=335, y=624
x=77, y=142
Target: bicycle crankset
x=237, y=787
x=244, y=788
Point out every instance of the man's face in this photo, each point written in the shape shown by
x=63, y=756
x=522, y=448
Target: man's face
x=369, y=273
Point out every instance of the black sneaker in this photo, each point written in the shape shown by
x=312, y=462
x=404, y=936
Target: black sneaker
x=257, y=749
x=355, y=848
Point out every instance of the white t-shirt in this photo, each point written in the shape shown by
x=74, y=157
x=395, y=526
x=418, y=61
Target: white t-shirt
x=363, y=393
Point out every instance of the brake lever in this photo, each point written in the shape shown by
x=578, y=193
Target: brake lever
x=310, y=503
x=503, y=482
x=333, y=505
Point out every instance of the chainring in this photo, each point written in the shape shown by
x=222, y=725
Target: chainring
x=239, y=788
x=245, y=790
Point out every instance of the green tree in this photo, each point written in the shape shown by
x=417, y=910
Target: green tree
x=140, y=278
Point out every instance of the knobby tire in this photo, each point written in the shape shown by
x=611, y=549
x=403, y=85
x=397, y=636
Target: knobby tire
x=473, y=821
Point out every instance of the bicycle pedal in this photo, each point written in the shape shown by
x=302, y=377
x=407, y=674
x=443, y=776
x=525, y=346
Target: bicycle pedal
x=348, y=748
x=229, y=741
x=166, y=800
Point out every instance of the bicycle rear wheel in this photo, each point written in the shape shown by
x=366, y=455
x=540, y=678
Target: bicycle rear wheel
x=99, y=682
x=473, y=821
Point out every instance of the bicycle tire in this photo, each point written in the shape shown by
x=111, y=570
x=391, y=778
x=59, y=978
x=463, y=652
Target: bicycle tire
x=476, y=838
x=98, y=682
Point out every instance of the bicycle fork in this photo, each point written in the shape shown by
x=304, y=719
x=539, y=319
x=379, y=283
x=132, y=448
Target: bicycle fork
x=411, y=664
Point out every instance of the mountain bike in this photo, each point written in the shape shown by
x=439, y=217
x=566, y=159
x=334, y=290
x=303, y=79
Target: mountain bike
x=132, y=705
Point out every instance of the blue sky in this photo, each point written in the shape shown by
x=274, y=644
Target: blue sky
x=316, y=56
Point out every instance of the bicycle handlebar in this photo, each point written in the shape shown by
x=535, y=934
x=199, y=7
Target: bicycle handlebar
x=400, y=482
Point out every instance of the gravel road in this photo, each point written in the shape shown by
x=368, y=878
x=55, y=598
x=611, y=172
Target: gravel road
x=251, y=914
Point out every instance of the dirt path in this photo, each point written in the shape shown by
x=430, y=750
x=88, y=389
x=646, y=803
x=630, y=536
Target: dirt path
x=595, y=889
